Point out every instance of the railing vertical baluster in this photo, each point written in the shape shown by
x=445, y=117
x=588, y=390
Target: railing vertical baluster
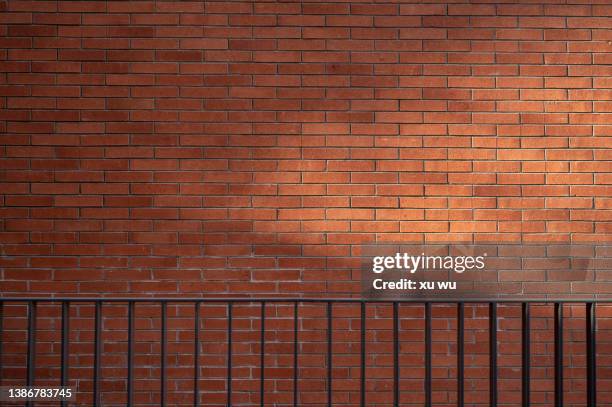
x=558, y=354
x=295, y=353
x=229, y=353
x=65, y=344
x=130, y=361
x=396, y=372
x=329, y=354
x=492, y=354
x=164, y=345
x=428, y=340
x=97, y=352
x=31, y=345
x=460, y=354
x=363, y=354
x=591, y=331
x=1, y=336
x=31, y=341
x=196, y=356
x=262, y=341
x=526, y=354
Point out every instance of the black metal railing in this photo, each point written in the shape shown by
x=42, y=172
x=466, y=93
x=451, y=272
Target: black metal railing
x=66, y=303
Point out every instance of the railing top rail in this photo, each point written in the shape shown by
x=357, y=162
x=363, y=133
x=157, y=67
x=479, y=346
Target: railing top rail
x=307, y=300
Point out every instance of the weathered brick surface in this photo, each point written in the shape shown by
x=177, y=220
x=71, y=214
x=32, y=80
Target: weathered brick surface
x=206, y=148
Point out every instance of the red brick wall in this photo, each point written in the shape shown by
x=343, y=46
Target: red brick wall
x=190, y=148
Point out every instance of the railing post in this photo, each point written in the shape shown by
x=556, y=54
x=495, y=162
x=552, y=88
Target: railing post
x=130, y=361
x=363, y=355
x=558, y=354
x=396, y=372
x=492, y=354
x=591, y=343
x=229, y=353
x=428, y=339
x=262, y=341
x=164, y=344
x=1, y=337
x=65, y=344
x=329, y=354
x=526, y=354
x=196, y=356
x=31, y=345
x=295, y=353
x=460, y=354
x=97, y=352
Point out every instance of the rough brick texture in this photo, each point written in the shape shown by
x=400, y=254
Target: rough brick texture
x=190, y=148
x=250, y=147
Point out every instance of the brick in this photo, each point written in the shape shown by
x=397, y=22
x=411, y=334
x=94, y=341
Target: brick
x=568, y=82
x=375, y=202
